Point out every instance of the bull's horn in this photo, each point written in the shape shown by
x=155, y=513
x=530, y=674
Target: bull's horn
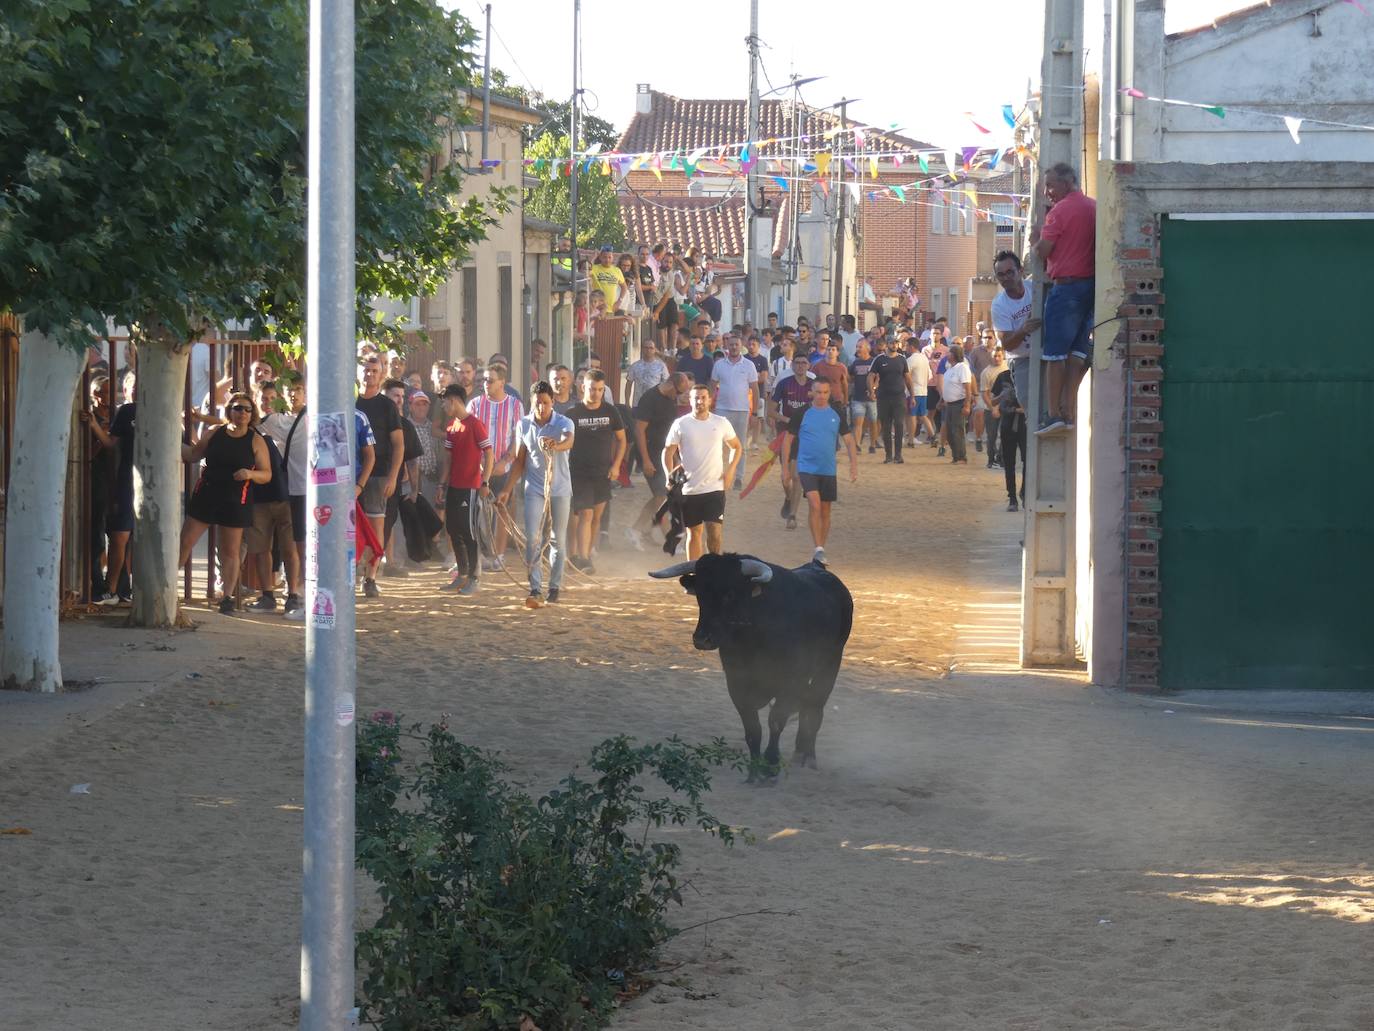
x=672, y=571
x=759, y=572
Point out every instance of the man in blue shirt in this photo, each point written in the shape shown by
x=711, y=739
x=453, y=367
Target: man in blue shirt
x=818, y=430
x=543, y=440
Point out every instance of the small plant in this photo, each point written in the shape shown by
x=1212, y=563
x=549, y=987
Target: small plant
x=499, y=911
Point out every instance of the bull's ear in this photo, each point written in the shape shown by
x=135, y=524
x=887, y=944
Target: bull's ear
x=689, y=582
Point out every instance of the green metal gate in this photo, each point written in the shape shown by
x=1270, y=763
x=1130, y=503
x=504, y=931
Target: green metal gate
x=1266, y=554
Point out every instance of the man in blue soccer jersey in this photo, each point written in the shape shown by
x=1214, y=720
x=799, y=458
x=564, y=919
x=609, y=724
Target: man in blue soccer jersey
x=818, y=430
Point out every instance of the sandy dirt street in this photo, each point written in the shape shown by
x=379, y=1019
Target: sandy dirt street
x=980, y=849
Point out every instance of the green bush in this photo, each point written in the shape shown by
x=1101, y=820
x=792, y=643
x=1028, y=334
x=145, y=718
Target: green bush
x=498, y=910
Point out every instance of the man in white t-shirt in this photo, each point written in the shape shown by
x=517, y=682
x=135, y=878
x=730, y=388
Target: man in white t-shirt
x=1011, y=319
x=957, y=397
x=696, y=444
x=918, y=413
x=735, y=376
x=850, y=338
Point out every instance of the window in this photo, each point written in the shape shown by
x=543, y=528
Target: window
x=937, y=215
x=953, y=311
x=1002, y=218
x=505, y=299
x=935, y=297
x=970, y=217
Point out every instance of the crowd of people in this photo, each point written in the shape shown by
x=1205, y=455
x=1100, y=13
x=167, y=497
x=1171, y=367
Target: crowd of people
x=460, y=469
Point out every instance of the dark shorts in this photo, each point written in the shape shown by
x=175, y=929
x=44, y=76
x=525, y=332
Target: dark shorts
x=589, y=489
x=298, y=518
x=220, y=504
x=703, y=508
x=119, y=517
x=668, y=316
x=1068, y=321
x=823, y=485
x=374, y=504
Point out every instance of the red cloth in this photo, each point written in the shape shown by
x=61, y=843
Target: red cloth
x=465, y=441
x=367, y=537
x=1072, y=225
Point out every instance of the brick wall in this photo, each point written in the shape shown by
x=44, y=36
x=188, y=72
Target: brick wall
x=1139, y=341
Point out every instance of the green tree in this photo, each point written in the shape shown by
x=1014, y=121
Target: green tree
x=152, y=170
x=598, y=209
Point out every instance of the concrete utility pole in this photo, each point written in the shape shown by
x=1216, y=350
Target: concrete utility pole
x=486, y=89
x=572, y=143
x=1047, y=574
x=751, y=290
x=837, y=281
x=327, y=863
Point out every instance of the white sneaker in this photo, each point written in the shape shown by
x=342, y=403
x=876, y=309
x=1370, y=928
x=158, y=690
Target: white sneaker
x=634, y=539
x=818, y=556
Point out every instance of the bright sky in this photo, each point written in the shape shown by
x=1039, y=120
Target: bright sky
x=919, y=68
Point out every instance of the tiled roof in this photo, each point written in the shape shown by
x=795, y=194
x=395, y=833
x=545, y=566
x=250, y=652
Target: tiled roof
x=1002, y=183
x=676, y=124
x=713, y=225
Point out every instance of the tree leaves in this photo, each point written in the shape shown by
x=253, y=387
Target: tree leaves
x=152, y=159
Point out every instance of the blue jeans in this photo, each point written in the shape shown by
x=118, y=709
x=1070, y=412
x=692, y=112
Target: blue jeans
x=534, y=538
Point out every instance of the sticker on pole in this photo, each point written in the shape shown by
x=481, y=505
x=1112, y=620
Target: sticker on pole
x=330, y=458
x=322, y=609
x=343, y=711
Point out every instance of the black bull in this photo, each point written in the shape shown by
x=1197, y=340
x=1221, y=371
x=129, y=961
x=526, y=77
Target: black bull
x=781, y=635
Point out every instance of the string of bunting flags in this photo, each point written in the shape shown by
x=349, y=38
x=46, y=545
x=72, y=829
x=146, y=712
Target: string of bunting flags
x=1293, y=123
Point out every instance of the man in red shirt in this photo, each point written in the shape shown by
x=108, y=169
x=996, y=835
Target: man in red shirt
x=466, y=474
x=1066, y=243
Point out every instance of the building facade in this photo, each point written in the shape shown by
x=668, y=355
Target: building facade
x=1228, y=525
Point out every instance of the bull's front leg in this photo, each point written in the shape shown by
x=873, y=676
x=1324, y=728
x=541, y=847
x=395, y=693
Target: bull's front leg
x=778, y=716
x=753, y=733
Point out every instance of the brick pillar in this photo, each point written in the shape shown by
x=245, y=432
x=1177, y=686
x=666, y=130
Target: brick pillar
x=1140, y=341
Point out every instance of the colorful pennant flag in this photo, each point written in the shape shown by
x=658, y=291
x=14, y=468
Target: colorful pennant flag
x=925, y=165
x=984, y=131
x=1294, y=124
x=901, y=193
x=1008, y=115
x=873, y=168
x=823, y=162
x=782, y=183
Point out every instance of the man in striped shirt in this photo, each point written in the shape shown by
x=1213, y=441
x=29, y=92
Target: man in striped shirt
x=500, y=413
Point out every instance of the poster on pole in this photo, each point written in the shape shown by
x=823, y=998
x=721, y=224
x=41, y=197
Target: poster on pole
x=330, y=459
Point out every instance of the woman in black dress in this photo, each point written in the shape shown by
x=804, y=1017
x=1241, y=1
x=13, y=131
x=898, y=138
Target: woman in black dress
x=235, y=458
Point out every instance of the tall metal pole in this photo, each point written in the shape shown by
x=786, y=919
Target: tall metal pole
x=837, y=282
x=327, y=861
x=486, y=88
x=572, y=143
x=751, y=287
x=327, y=983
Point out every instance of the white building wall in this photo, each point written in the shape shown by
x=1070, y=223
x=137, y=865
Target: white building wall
x=1304, y=58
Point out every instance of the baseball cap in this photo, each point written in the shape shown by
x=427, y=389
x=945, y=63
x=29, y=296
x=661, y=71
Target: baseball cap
x=605, y=249
x=418, y=395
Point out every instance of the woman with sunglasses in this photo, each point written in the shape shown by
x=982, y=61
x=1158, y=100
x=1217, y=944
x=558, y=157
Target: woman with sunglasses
x=235, y=457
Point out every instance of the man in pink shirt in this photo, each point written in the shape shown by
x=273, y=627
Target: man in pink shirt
x=1066, y=243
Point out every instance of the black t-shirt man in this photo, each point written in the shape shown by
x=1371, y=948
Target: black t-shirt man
x=698, y=368
x=858, y=379
x=658, y=412
x=891, y=370
x=594, y=440
x=381, y=413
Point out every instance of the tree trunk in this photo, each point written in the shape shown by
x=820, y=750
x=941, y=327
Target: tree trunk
x=49, y=374
x=158, y=479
